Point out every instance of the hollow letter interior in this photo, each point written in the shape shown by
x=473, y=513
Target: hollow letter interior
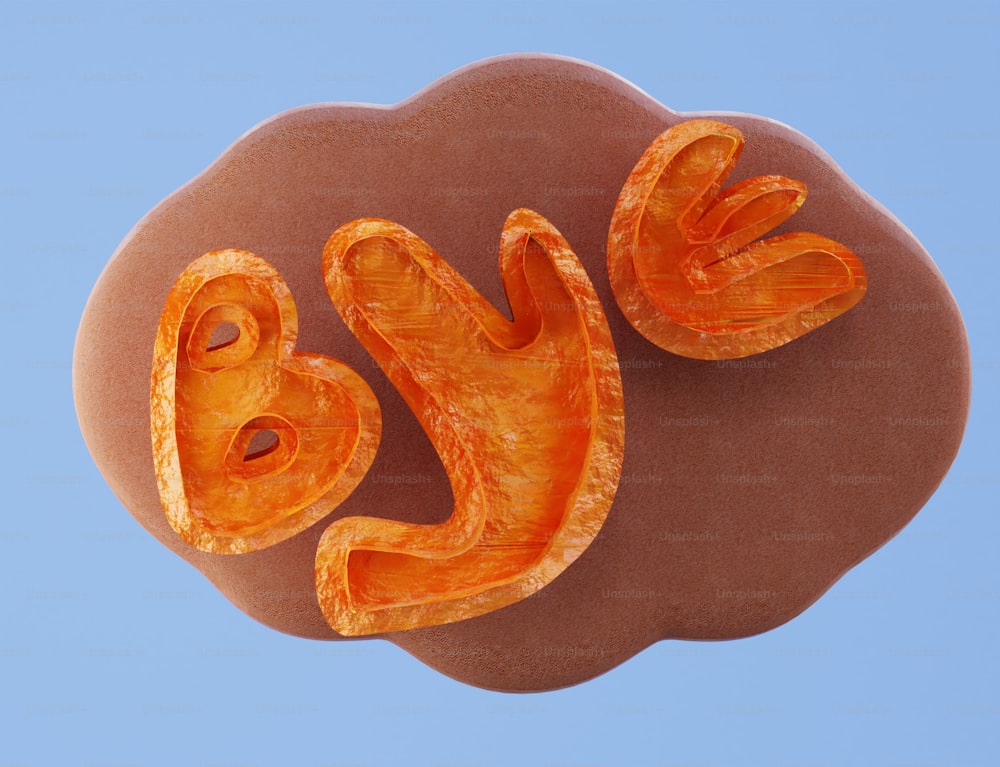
x=526, y=416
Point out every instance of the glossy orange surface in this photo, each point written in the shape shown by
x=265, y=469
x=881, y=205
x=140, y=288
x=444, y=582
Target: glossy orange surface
x=526, y=416
x=252, y=441
x=686, y=265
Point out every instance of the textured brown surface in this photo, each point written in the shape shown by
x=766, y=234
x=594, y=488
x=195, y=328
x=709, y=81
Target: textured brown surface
x=749, y=486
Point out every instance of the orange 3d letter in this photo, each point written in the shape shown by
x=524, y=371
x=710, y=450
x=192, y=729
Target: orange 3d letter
x=252, y=441
x=685, y=262
x=527, y=417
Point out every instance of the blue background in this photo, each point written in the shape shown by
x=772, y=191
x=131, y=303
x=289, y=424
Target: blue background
x=115, y=652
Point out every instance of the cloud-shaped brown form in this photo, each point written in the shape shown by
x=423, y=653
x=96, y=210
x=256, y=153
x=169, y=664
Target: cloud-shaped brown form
x=749, y=486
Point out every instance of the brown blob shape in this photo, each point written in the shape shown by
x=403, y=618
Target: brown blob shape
x=748, y=486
